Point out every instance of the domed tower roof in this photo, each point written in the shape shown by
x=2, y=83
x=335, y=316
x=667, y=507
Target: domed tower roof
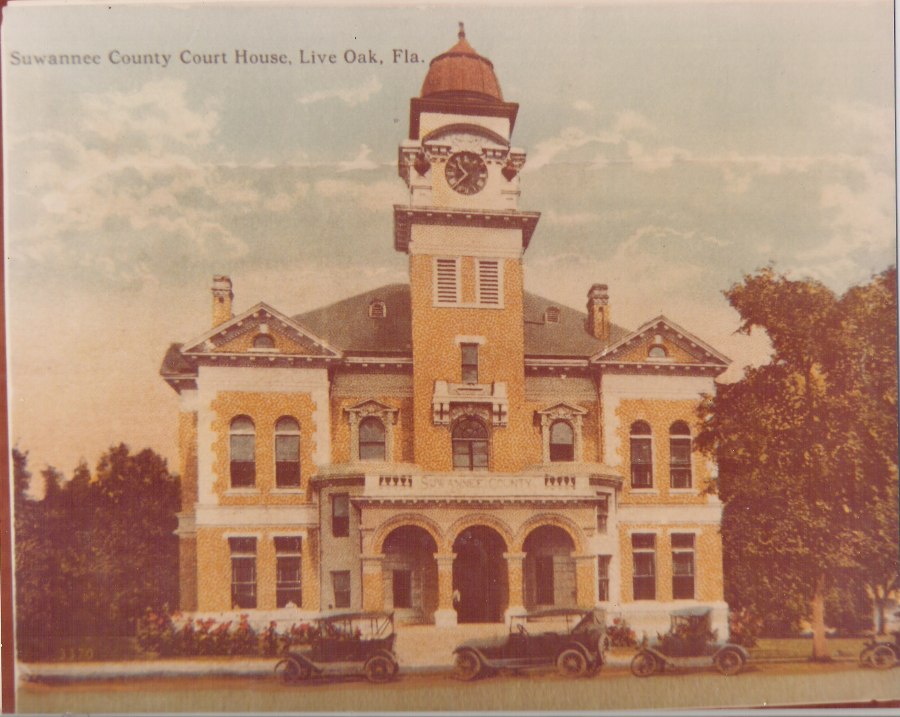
x=460, y=73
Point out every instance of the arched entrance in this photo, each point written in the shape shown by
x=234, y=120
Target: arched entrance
x=549, y=568
x=410, y=574
x=480, y=575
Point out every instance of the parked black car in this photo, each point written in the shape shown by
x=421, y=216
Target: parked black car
x=345, y=643
x=689, y=643
x=880, y=653
x=573, y=640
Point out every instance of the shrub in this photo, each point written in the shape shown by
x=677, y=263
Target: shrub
x=620, y=633
x=744, y=627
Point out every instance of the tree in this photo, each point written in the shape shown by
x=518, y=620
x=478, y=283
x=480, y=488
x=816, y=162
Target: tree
x=802, y=467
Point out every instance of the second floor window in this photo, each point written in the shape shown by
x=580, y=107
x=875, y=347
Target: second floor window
x=371, y=439
x=562, y=441
x=680, y=455
x=641, y=455
x=287, y=453
x=340, y=515
x=470, y=445
x=469, y=363
x=242, y=447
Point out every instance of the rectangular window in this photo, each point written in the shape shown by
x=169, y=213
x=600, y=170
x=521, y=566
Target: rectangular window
x=641, y=463
x=643, y=547
x=489, y=284
x=287, y=461
x=402, y=588
x=446, y=281
x=602, y=514
x=683, y=566
x=288, y=572
x=340, y=583
x=340, y=515
x=603, y=577
x=243, y=461
x=680, y=462
x=469, y=363
x=243, y=572
x=543, y=577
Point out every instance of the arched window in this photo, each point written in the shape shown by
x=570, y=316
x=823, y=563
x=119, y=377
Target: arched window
x=242, y=445
x=680, y=455
x=263, y=341
x=657, y=352
x=641, y=455
x=470, y=445
x=287, y=453
x=562, y=441
x=371, y=439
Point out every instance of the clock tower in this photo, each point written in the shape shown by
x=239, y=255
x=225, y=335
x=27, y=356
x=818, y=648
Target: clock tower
x=465, y=237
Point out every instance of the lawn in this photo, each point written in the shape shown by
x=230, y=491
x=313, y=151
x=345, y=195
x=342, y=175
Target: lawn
x=801, y=648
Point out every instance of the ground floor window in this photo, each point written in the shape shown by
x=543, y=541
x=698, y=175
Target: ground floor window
x=288, y=572
x=643, y=546
x=683, y=566
x=243, y=572
x=603, y=577
x=402, y=588
x=340, y=582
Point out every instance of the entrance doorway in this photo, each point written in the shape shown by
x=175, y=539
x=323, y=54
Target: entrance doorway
x=549, y=568
x=410, y=574
x=480, y=575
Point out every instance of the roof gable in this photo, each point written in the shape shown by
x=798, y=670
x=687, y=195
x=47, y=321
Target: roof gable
x=678, y=345
x=239, y=334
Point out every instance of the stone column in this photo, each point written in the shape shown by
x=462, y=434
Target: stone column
x=515, y=570
x=372, y=582
x=585, y=580
x=445, y=615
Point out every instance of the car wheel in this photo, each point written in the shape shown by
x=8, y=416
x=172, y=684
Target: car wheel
x=729, y=662
x=292, y=671
x=571, y=663
x=865, y=657
x=467, y=666
x=883, y=657
x=380, y=668
x=643, y=664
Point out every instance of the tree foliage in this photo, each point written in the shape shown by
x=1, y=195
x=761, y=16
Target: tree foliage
x=807, y=447
x=96, y=551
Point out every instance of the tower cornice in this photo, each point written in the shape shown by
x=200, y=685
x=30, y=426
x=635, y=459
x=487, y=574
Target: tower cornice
x=406, y=216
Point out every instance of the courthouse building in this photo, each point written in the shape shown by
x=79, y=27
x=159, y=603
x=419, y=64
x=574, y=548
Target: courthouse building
x=454, y=448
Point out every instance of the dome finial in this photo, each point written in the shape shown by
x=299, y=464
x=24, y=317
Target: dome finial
x=462, y=31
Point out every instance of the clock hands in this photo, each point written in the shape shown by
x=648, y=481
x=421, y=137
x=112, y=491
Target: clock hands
x=459, y=179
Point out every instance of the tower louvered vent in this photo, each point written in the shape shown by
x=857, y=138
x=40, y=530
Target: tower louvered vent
x=489, y=282
x=447, y=291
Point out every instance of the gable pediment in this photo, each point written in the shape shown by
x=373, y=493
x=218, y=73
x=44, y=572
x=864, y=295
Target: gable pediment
x=261, y=331
x=661, y=341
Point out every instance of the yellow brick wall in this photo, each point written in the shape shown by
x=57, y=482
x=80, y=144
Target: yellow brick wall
x=437, y=357
x=707, y=560
x=187, y=572
x=264, y=409
x=187, y=458
x=214, y=567
x=660, y=414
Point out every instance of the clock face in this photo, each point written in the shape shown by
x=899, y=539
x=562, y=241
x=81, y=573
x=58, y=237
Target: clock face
x=466, y=173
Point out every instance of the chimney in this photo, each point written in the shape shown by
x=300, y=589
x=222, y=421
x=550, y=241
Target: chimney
x=222, y=296
x=598, y=312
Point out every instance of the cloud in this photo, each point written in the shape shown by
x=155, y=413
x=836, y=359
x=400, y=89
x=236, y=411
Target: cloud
x=350, y=95
x=583, y=106
x=360, y=162
x=377, y=197
x=571, y=218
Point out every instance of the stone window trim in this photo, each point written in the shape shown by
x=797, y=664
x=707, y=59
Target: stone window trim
x=573, y=415
x=372, y=408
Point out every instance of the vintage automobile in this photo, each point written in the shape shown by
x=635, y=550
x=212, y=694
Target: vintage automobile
x=689, y=643
x=345, y=643
x=574, y=640
x=882, y=654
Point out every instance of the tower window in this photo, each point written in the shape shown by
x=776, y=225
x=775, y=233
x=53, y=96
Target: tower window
x=340, y=515
x=287, y=453
x=242, y=444
x=446, y=282
x=371, y=439
x=562, y=441
x=489, y=284
x=469, y=363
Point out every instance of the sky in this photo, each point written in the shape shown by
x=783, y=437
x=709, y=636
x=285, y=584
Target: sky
x=672, y=148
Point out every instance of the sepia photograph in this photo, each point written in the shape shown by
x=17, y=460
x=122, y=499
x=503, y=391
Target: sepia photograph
x=450, y=358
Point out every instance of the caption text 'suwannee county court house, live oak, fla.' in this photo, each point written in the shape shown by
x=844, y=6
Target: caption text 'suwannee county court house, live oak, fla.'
x=454, y=449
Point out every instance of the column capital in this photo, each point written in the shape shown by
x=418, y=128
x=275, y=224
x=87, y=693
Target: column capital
x=514, y=556
x=443, y=559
